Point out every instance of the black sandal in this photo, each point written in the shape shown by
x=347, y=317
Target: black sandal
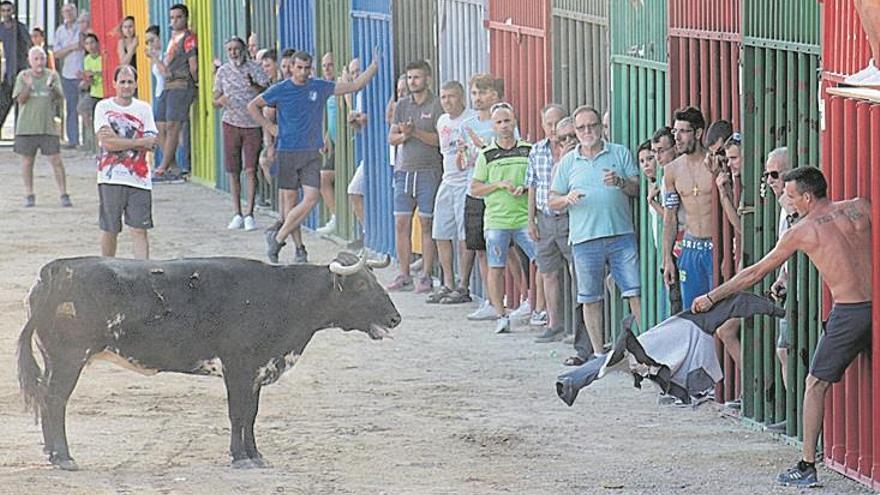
x=438, y=295
x=456, y=296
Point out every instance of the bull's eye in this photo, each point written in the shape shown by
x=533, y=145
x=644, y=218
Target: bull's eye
x=360, y=285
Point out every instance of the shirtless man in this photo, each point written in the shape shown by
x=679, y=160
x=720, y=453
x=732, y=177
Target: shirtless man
x=836, y=236
x=689, y=184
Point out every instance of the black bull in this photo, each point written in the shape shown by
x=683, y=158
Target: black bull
x=240, y=318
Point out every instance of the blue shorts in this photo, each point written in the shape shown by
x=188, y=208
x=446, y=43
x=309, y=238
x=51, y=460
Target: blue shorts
x=498, y=244
x=416, y=189
x=590, y=258
x=695, y=269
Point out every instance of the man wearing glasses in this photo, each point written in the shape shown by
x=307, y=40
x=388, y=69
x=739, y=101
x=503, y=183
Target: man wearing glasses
x=548, y=227
x=663, y=145
x=778, y=163
x=689, y=184
x=594, y=184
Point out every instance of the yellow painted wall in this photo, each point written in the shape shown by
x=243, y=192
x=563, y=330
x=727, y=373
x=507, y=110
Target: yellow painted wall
x=202, y=131
x=141, y=12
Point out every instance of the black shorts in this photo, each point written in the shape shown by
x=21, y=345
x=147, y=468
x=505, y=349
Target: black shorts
x=115, y=200
x=298, y=168
x=847, y=333
x=473, y=223
x=173, y=104
x=28, y=144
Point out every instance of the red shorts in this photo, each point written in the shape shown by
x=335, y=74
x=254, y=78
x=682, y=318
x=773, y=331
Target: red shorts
x=241, y=145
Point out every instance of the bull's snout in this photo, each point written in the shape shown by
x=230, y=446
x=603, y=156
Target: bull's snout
x=394, y=321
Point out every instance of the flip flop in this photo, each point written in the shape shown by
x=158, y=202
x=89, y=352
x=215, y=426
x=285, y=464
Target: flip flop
x=574, y=361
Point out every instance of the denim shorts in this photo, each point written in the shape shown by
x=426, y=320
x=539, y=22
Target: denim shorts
x=498, y=244
x=620, y=252
x=416, y=189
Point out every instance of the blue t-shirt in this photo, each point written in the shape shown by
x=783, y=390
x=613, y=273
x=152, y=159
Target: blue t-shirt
x=300, y=113
x=604, y=211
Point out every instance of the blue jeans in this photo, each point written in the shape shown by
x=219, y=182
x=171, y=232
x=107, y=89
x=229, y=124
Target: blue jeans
x=70, y=88
x=498, y=245
x=590, y=258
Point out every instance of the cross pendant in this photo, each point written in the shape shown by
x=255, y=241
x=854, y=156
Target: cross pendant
x=695, y=191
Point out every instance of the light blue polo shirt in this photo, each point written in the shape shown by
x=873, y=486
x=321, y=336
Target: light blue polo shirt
x=604, y=211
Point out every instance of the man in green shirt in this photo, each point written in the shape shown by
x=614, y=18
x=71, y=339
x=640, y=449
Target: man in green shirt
x=499, y=178
x=38, y=93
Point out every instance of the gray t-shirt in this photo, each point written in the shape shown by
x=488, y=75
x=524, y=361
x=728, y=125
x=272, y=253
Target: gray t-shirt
x=414, y=155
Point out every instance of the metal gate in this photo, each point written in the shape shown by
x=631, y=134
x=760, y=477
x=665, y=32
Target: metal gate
x=370, y=27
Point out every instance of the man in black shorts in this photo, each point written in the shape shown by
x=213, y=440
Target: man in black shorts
x=836, y=236
x=172, y=108
x=125, y=131
x=299, y=102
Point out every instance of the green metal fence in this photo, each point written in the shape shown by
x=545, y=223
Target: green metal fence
x=640, y=105
x=785, y=24
x=780, y=108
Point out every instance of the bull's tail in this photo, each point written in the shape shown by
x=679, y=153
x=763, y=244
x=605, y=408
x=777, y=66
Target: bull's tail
x=30, y=377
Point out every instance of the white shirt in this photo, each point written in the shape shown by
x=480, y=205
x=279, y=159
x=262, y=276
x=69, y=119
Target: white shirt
x=127, y=167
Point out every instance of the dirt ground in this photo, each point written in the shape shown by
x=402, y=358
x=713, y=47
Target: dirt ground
x=446, y=407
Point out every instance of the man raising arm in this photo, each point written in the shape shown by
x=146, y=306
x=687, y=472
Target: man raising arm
x=836, y=236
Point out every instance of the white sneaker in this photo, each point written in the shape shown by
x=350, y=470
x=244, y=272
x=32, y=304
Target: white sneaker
x=523, y=312
x=236, y=223
x=328, y=227
x=484, y=312
x=250, y=223
x=869, y=76
x=539, y=319
x=502, y=324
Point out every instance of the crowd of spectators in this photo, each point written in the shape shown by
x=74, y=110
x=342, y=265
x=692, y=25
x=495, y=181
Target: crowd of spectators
x=483, y=196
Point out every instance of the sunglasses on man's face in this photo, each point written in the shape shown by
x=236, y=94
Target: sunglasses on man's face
x=773, y=174
x=567, y=137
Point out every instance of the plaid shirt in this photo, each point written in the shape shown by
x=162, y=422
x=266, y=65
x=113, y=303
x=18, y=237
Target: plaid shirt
x=538, y=175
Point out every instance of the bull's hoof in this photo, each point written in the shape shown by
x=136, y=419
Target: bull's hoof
x=64, y=464
x=243, y=464
x=260, y=463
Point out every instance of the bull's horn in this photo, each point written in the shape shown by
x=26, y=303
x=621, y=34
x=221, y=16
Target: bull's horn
x=380, y=264
x=340, y=269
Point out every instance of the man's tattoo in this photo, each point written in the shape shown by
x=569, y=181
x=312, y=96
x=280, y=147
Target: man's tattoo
x=851, y=212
